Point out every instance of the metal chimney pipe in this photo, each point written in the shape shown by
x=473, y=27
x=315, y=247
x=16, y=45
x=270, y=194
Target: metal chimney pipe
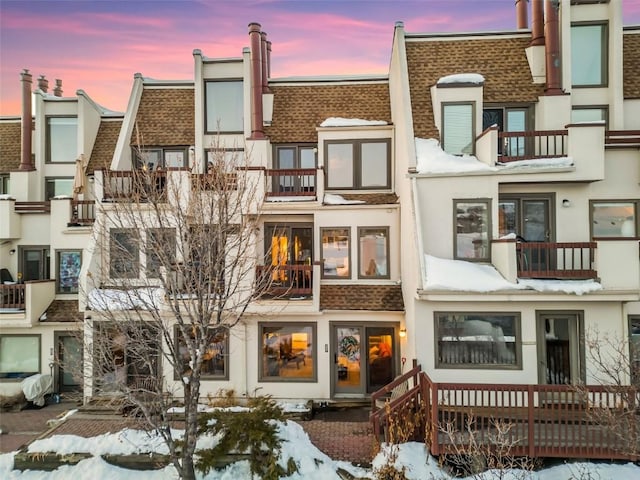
x=26, y=122
x=264, y=62
x=537, y=22
x=43, y=83
x=257, y=132
x=57, y=90
x=268, y=59
x=522, y=22
x=552, y=48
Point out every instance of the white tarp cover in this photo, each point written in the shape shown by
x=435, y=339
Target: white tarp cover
x=36, y=387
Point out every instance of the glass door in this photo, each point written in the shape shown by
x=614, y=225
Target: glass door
x=69, y=365
x=380, y=357
x=34, y=263
x=290, y=248
x=348, y=374
x=559, y=356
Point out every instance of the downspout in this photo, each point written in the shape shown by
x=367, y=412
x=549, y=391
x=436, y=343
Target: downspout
x=537, y=22
x=552, y=48
x=522, y=22
x=26, y=123
x=257, y=131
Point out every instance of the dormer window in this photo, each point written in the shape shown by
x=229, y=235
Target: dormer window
x=358, y=164
x=62, y=139
x=224, y=106
x=458, y=128
x=589, y=55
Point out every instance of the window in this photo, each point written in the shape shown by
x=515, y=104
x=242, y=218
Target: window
x=373, y=252
x=62, y=139
x=58, y=186
x=160, y=251
x=358, y=164
x=295, y=157
x=19, y=356
x=634, y=349
x=224, y=106
x=215, y=363
x=589, y=55
x=287, y=352
x=124, y=253
x=509, y=119
x=4, y=184
x=472, y=227
x=68, y=264
x=487, y=340
x=458, y=128
x=614, y=219
x=34, y=263
x=171, y=157
x=336, y=253
x=589, y=114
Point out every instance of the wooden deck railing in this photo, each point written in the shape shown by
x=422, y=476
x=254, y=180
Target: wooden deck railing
x=569, y=260
x=83, y=212
x=134, y=185
x=622, y=138
x=12, y=296
x=292, y=182
x=562, y=421
x=285, y=280
x=33, y=207
x=214, y=181
x=533, y=144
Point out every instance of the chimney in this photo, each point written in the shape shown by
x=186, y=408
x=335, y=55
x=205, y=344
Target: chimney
x=26, y=123
x=521, y=14
x=265, y=62
x=257, y=132
x=268, y=59
x=552, y=48
x=57, y=91
x=43, y=84
x=537, y=22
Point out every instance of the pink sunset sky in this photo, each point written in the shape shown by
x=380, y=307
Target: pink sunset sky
x=98, y=45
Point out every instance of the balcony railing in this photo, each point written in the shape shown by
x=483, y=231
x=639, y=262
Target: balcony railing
x=285, y=281
x=12, y=296
x=134, y=185
x=622, y=138
x=532, y=144
x=33, y=207
x=83, y=212
x=556, y=260
x=292, y=182
x=214, y=181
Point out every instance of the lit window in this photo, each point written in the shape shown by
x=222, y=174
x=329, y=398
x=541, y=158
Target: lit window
x=458, y=128
x=614, y=219
x=62, y=139
x=477, y=340
x=472, y=229
x=58, y=186
x=358, y=164
x=589, y=55
x=124, y=253
x=288, y=352
x=19, y=356
x=373, y=252
x=224, y=106
x=215, y=358
x=68, y=270
x=336, y=248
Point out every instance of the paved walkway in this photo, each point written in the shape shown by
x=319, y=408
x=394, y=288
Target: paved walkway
x=341, y=434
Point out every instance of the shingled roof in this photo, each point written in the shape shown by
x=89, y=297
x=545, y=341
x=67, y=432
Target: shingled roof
x=631, y=65
x=104, y=146
x=299, y=109
x=165, y=117
x=502, y=62
x=63, y=311
x=361, y=297
x=9, y=146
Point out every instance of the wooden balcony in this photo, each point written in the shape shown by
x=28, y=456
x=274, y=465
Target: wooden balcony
x=556, y=260
x=133, y=185
x=285, y=281
x=33, y=207
x=533, y=144
x=12, y=296
x=83, y=213
x=561, y=421
x=293, y=182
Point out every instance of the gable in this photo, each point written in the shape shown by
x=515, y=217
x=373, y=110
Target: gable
x=165, y=117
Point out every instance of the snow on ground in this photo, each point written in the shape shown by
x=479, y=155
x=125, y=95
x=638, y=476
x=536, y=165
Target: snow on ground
x=350, y=122
x=444, y=274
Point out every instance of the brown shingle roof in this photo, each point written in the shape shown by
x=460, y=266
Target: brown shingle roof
x=9, y=146
x=502, y=62
x=361, y=297
x=631, y=65
x=165, y=117
x=299, y=109
x=105, y=144
x=63, y=311
x=372, y=198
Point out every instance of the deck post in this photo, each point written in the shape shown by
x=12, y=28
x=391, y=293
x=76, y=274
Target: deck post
x=434, y=447
x=531, y=419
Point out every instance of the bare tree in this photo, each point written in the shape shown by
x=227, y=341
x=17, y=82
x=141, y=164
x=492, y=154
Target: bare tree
x=176, y=273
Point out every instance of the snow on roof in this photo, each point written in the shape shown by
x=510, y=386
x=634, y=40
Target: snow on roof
x=559, y=162
x=350, y=122
x=6, y=196
x=430, y=158
x=332, y=199
x=458, y=275
x=462, y=78
x=105, y=299
x=295, y=198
